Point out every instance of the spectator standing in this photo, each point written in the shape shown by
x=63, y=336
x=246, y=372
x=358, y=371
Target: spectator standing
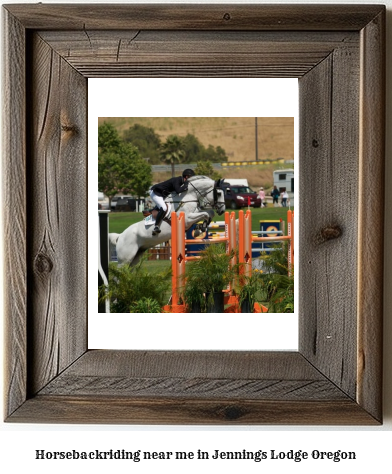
x=275, y=196
x=285, y=197
x=262, y=196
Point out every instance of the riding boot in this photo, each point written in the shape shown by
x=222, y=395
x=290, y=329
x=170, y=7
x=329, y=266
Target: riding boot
x=158, y=220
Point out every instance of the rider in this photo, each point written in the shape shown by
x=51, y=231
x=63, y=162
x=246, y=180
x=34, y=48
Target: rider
x=160, y=191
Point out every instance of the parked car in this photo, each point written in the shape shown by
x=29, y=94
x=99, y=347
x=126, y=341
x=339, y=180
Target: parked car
x=240, y=196
x=126, y=204
x=115, y=200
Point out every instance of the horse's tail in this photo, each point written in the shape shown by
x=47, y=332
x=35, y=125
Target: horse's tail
x=113, y=241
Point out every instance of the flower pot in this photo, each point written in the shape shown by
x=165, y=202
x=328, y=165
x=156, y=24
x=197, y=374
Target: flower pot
x=195, y=307
x=217, y=305
x=246, y=306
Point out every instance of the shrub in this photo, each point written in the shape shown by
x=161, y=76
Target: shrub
x=210, y=274
x=278, y=287
x=146, y=305
x=280, y=291
x=133, y=287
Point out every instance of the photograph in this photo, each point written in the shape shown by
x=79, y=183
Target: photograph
x=196, y=214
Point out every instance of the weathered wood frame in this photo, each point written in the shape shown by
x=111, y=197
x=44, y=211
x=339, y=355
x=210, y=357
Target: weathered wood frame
x=337, y=52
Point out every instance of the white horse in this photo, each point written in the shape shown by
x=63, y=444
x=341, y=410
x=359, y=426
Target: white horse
x=198, y=204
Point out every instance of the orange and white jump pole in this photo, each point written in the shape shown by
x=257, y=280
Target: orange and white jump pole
x=245, y=242
x=178, y=254
x=245, y=239
x=231, y=239
x=179, y=257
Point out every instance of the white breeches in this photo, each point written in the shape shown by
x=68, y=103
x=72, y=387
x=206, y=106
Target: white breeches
x=159, y=200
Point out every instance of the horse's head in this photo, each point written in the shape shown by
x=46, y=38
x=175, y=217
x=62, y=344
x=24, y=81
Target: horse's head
x=208, y=192
x=219, y=197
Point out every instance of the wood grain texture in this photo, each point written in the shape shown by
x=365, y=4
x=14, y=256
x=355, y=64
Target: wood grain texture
x=57, y=222
x=188, y=387
x=195, y=17
x=14, y=226
x=335, y=378
x=195, y=53
x=208, y=375
x=102, y=409
x=208, y=364
x=328, y=266
x=371, y=216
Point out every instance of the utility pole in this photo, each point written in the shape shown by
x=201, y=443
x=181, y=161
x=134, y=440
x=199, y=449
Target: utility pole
x=256, y=147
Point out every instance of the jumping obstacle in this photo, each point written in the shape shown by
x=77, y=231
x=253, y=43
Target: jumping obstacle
x=245, y=240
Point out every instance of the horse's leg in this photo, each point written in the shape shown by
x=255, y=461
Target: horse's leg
x=137, y=257
x=203, y=227
x=128, y=258
x=205, y=224
x=113, y=238
x=194, y=217
x=126, y=253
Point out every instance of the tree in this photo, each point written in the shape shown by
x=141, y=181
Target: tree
x=172, y=151
x=205, y=168
x=194, y=149
x=123, y=172
x=142, y=177
x=108, y=138
x=216, y=155
x=146, y=140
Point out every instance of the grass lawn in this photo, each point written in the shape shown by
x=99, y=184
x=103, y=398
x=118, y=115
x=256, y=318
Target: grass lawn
x=119, y=221
x=156, y=266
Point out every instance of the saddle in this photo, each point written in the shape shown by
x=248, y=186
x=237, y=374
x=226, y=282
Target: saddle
x=151, y=214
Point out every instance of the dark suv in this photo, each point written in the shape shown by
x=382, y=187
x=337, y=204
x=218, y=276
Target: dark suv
x=237, y=196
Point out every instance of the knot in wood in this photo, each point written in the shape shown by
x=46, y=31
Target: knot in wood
x=315, y=143
x=232, y=413
x=227, y=16
x=69, y=128
x=43, y=264
x=329, y=232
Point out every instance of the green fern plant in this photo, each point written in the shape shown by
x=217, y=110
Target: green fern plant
x=280, y=291
x=208, y=275
x=129, y=285
x=146, y=305
x=250, y=289
x=277, y=284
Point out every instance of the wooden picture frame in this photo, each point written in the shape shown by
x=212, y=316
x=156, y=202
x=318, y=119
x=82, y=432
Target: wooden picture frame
x=338, y=54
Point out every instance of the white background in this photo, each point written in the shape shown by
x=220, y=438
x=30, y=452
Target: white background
x=372, y=444
x=197, y=98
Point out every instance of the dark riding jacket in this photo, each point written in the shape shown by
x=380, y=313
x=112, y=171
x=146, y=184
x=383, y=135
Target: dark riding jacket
x=173, y=184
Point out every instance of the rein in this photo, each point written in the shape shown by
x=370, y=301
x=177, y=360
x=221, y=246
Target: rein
x=202, y=196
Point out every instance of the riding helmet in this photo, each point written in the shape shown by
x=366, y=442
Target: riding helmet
x=188, y=172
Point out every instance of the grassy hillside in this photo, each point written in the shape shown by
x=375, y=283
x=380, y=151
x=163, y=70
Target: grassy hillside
x=236, y=135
